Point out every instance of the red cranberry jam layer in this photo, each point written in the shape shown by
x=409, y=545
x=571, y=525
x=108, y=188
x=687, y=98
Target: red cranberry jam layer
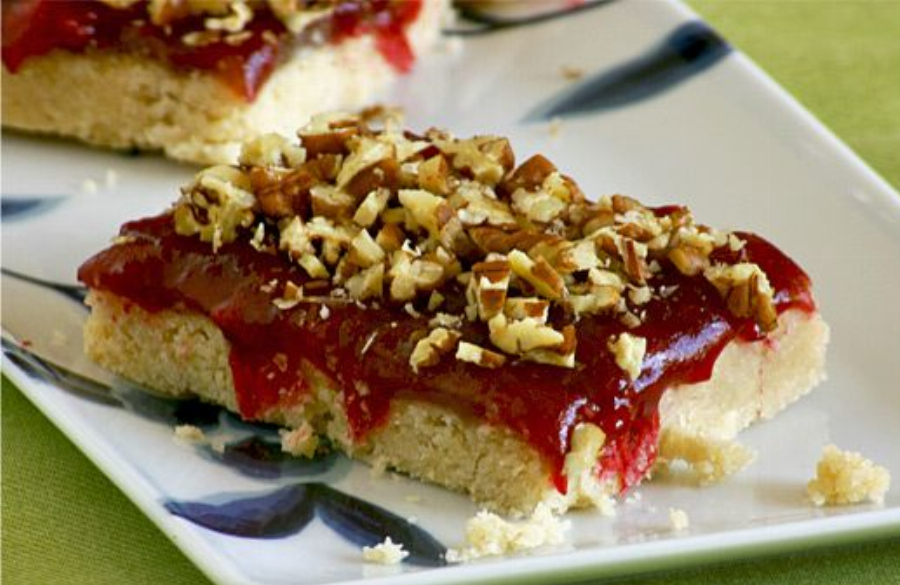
x=433, y=268
x=240, y=41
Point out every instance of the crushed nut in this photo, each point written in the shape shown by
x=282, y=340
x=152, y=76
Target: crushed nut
x=490, y=282
x=449, y=230
x=747, y=292
x=539, y=274
x=428, y=351
x=629, y=352
x=215, y=205
x=469, y=352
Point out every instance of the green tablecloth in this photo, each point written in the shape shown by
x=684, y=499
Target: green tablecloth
x=64, y=522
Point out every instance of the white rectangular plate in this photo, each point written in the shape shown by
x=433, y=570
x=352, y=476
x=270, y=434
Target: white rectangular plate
x=721, y=138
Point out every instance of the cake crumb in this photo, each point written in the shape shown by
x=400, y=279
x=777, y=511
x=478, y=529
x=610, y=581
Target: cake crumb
x=378, y=468
x=259, y=236
x=555, y=127
x=629, y=352
x=190, y=433
x=300, y=442
x=111, y=178
x=679, y=519
x=119, y=240
x=488, y=534
x=710, y=460
x=571, y=73
x=846, y=477
x=59, y=339
x=90, y=187
x=385, y=553
x=584, y=488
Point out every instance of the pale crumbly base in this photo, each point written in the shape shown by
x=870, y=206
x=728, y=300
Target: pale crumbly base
x=185, y=354
x=125, y=101
x=846, y=477
x=751, y=381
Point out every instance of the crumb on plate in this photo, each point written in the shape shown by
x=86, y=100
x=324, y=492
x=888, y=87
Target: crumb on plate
x=488, y=534
x=710, y=460
x=846, y=477
x=679, y=519
x=385, y=553
x=190, y=433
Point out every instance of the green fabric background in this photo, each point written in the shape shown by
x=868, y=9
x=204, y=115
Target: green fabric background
x=64, y=522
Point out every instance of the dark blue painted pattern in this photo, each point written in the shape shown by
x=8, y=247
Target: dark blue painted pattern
x=688, y=50
x=41, y=369
x=277, y=514
x=17, y=208
x=75, y=292
x=280, y=513
x=121, y=394
x=255, y=456
x=478, y=19
x=289, y=510
x=170, y=411
x=366, y=524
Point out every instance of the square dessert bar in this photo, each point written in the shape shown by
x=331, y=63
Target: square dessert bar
x=195, y=78
x=422, y=303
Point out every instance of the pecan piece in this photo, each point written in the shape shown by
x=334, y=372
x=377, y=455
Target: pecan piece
x=334, y=142
x=539, y=274
x=688, y=260
x=530, y=175
x=428, y=351
x=490, y=281
x=383, y=174
x=475, y=354
x=282, y=195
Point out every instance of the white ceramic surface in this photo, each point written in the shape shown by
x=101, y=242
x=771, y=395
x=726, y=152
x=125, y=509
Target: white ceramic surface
x=728, y=142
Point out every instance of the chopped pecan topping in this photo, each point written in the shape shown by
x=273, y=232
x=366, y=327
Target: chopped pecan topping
x=227, y=19
x=451, y=232
x=216, y=204
x=629, y=352
x=689, y=261
x=428, y=351
x=469, y=352
x=490, y=281
x=530, y=175
x=747, y=292
x=539, y=274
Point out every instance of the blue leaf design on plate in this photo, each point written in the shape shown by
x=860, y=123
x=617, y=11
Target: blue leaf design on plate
x=366, y=524
x=256, y=457
x=288, y=510
x=165, y=409
x=484, y=21
x=690, y=49
x=18, y=207
x=73, y=291
x=280, y=513
x=123, y=394
x=46, y=371
x=194, y=412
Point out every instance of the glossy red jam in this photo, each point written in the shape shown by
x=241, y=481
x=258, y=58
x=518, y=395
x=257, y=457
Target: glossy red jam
x=35, y=27
x=367, y=350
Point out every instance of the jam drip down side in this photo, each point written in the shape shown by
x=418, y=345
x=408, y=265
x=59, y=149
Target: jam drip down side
x=243, y=60
x=366, y=351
